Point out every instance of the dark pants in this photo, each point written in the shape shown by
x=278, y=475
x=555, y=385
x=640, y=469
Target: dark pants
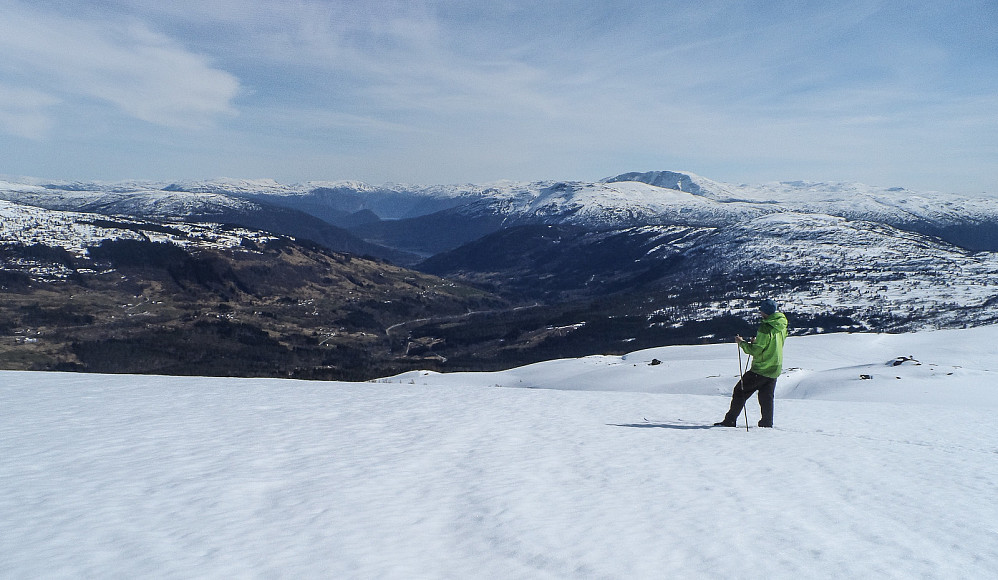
x=750, y=383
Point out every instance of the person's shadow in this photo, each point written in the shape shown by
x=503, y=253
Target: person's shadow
x=662, y=426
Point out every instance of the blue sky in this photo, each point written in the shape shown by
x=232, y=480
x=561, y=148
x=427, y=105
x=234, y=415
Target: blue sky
x=891, y=93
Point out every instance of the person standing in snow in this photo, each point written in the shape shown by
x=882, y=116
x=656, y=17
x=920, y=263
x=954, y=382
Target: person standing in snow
x=767, y=364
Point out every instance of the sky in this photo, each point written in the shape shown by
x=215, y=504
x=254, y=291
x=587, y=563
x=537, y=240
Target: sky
x=888, y=93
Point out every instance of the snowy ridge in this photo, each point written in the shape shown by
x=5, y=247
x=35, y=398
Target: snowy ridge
x=895, y=205
x=950, y=367
x=870, y=269
x=136, y=202
x=861, y=241
x=76, y=232
x=624, y=204
x=72, y=231
x=604, y=467
x=629, y=199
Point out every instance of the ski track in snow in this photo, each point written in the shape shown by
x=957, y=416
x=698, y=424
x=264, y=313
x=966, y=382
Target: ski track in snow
x=447, y=476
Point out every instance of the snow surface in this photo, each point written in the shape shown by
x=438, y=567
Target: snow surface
x=603, y=468
x=77, y=231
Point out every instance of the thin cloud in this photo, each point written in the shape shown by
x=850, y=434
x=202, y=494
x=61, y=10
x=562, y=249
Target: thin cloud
x=450, y=90
x=25, y=112
x=122, y=62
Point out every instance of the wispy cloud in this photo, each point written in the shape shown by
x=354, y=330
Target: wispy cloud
x=118, y=61
x=450, y=90
x=24, y=112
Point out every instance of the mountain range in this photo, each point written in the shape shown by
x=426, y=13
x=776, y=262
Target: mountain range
x=566, y=268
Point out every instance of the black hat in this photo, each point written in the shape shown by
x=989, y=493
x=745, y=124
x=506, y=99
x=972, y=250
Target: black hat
x=767, y=306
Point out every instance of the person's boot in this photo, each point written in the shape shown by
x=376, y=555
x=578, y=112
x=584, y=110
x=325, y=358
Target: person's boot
x=724, y=424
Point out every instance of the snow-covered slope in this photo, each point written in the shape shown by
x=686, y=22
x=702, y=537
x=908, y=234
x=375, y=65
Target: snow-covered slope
x=243, y=203
x=872, y=269
x=655, y=197
x=665, y=197
x=134, y=199
x=951, y=367
x=876, y=275
x=604, y=468
x=75, y=232
x=624, y=204
x=851, y=249
x=852, y=200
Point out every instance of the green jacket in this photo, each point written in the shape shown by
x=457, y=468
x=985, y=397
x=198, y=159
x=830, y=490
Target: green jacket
x=767, y=349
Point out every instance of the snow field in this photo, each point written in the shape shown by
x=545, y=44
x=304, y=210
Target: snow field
x=175, y=477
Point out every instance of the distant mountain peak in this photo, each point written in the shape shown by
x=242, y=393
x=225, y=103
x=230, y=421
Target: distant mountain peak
x=680, y=181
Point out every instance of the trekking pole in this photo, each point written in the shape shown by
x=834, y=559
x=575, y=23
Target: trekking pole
x=748, y=365
x=741, y=383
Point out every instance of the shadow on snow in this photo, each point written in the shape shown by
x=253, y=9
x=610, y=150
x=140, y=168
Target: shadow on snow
x=661, y=426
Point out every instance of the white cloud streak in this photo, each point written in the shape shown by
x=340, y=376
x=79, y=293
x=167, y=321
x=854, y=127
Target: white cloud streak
x=24, y=112
x=451, y=90
x=118, y=61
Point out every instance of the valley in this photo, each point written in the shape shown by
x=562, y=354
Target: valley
x=349, y=281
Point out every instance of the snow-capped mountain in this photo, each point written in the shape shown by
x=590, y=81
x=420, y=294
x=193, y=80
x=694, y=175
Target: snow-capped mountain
x=874, y=274
x=626, y=200
x=971, y=222
x=672, y=198
x=238, y=202
x=658, y=249
x=90, y=292
x=873, y=271
x=77, y=232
